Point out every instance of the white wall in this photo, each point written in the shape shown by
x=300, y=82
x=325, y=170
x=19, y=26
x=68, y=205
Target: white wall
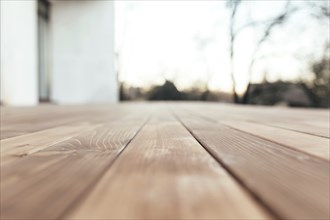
x=19, y=52
x=83, y=52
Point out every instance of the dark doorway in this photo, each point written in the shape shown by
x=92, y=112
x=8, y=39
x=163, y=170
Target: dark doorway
x=43, y=51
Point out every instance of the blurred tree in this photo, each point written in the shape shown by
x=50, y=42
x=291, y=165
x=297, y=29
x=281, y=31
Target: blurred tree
x=320, y=9
x=202, y=44
x=167, y=91
x=119, y=50
x=233, y=6
x=122, y=95
x=320, y=86
x=269, y=27
x=234, y=31
x=279, y=93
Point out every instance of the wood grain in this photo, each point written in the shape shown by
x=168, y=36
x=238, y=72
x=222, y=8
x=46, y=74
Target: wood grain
x=189, y=161
x=165, y=174
x=310, y=144
x=292, y=184
x=313, y=122
x=13, y=148
x=55, y=177
x=15, y=122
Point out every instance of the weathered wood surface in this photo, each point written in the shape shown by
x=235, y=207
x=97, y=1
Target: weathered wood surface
x=164, y=161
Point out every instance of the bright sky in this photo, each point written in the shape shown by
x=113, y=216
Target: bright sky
x=188, y=42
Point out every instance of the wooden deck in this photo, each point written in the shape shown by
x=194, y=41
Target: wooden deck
x=164, y=161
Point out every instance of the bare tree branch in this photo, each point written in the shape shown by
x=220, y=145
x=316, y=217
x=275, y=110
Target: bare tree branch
x=233, y=5
x=277, y=21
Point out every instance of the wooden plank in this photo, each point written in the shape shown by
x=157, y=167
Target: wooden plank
x=19, y=121
x=300, y=127
x=30, y=143
x=314, y=122
x=45, y=184
x=165, y=174
x=290, y=183
x=310, y=144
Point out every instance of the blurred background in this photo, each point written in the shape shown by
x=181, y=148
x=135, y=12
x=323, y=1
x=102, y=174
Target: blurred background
x=246, y=52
